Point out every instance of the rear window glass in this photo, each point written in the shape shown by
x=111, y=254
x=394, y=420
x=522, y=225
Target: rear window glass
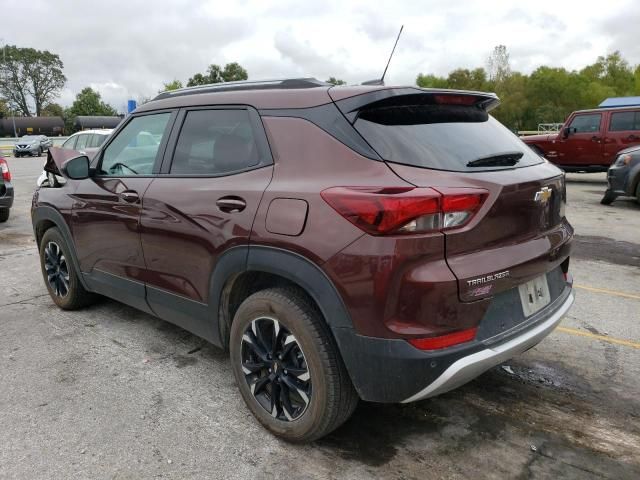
x=442, y=137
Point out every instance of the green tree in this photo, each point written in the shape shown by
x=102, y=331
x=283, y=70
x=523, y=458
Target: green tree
x=464, y=79
x=431, y=81
x=612, y=71
x=52, y=110
x=172, y=85
x=636, y=75
x=30, y=77
x=232, y=72
x=336, y=81
x=4, y=108
x=89, y=102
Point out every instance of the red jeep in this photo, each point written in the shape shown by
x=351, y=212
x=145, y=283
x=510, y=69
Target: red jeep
x=590, y=139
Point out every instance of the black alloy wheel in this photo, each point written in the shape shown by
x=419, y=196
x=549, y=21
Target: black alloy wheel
x=57, y=269
x=275, y=369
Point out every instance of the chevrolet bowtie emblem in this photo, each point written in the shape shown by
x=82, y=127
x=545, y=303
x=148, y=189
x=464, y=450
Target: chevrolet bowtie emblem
x=543, y=195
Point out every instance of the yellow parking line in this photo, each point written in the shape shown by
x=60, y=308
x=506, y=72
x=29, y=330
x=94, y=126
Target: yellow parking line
x=608, y=292
x=580, y=333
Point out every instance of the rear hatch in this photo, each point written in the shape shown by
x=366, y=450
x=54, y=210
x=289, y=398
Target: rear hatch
x=447, y=141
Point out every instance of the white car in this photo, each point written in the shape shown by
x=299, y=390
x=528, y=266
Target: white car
x=85, y=142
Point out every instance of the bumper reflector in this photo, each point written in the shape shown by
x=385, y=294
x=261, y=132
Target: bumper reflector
x=444, y=341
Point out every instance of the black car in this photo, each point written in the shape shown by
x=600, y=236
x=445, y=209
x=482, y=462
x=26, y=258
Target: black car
x=623, y=176
x=6, y=190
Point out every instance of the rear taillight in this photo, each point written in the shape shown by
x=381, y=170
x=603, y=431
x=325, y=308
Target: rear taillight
x=444, y=341
x=405, y=210
x=4, y=168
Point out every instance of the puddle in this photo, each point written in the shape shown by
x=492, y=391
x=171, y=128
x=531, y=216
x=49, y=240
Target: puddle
x=607, y=250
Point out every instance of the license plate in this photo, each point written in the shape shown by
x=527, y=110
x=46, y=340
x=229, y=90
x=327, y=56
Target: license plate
x=534, y=295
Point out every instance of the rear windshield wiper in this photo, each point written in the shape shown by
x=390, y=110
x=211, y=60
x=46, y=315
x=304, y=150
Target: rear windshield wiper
x=501, y=160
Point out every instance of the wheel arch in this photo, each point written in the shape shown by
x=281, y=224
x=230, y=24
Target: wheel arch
x=43, y=218
x=267, y=267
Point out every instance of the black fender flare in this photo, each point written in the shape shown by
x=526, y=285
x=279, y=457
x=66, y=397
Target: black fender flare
x=43, y=213
x=305, y=273
x=284, y=263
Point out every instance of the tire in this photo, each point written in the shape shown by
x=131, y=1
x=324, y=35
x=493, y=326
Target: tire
x=65, y=288
x=320, y=394
x=608, y=198
x=4, y=214
x=638, y=193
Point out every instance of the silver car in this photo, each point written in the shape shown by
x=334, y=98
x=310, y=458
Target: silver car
x=29, y=145
x=86, y=142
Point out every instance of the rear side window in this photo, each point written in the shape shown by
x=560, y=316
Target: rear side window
x=215, y=142
x=622, y=121
x=442, y=137
x=82, y=141
x=70, y=143
x=96, y=140
x=586, y=123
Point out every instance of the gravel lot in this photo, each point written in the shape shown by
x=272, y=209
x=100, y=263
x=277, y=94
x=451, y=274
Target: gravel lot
x=110, y=392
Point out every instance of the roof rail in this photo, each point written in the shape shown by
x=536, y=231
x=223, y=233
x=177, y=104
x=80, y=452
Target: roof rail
x=286, y=83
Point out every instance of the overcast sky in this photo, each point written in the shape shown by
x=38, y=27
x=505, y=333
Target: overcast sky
x=127, y=49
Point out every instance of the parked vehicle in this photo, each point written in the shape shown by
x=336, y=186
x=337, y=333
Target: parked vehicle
x=31, y=145
x=590, y=139
x=383, y=243
x=87, y=143
x=6, y=191
x=623, y=177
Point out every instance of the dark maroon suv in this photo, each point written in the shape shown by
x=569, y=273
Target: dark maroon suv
x=383, y=243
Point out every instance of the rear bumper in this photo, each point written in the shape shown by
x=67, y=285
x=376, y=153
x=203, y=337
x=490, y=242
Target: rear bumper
x=393, y=371
x=6, y=195
x=469, y=367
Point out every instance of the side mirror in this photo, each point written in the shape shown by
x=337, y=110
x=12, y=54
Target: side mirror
x=567, y=131
x=76, y=168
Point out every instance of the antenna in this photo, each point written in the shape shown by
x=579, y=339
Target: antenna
x=381, y=81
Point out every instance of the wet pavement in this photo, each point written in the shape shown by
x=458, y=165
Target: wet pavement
x=110, y=392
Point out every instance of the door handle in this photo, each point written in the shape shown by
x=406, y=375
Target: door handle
x=130, y=196
x=595, y=139
x=633, y=137
x=231, y=204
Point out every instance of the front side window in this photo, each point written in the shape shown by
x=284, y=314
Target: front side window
x=134, y=150
x=586, y=123
x=215, y=142
x=623, y=121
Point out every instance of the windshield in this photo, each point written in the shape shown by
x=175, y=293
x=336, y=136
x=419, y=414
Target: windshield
x=443, y=137
x=28, y=138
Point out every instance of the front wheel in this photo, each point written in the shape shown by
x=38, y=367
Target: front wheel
x=287, y=366
x=4, y=214
x=59, y=275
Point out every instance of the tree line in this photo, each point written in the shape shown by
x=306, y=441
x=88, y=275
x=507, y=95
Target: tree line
x=548, y=94
x=31, y=80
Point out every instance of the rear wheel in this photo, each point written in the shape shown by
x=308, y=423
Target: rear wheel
x=59, y=275
x=608, y=198
x=4, y=214
x=287, y=366
x=638, y=192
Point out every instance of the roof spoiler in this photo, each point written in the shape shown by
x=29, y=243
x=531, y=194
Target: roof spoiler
x=407, y=96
